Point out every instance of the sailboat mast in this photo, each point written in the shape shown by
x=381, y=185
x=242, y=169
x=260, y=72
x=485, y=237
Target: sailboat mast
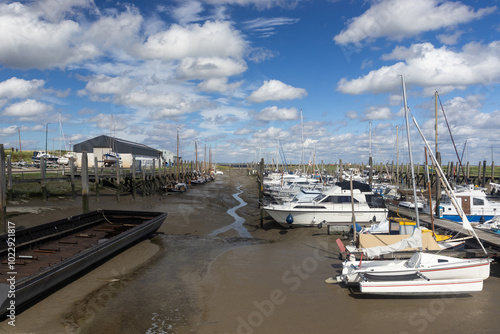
x=397, y=154
x=302, y=127
x=177, y=164
x=410, y=153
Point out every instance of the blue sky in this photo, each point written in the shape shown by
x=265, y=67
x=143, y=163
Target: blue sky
x=235, y=75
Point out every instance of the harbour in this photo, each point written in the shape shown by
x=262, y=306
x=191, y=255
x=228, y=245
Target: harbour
x=185, y=281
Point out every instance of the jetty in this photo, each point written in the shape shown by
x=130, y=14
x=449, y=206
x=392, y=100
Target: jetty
x=490, y=240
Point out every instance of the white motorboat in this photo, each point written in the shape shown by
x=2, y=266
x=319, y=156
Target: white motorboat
x=334, y=206
x=474, y=203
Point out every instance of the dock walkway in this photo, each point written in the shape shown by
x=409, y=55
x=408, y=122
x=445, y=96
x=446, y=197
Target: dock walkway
x=489, y=239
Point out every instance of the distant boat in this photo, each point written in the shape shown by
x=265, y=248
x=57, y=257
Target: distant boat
x=110, y=158
x=64, y=160
x=37, y=155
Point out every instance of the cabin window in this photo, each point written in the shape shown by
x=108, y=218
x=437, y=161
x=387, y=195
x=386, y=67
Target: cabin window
x=338, y=199
x=308, y=207
x=442, y=260
x=477, y=201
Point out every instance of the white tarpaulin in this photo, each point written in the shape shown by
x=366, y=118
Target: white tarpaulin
x=413, y=241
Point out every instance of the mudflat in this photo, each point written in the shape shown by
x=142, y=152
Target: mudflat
x=186, y=280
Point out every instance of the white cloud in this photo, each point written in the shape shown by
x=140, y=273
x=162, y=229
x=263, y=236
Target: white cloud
x=259, y=4
x=55, y=10
x=274, y=90
x=19, y=88
x=218, y=85
x=102, y=84
x=426, y=66
x=260, y=54
x=212, y=39
x=450, y=39
x=266, y=27
x=351, y=114
x=207, y=68
x=27, y=108
x=146, y=99
x=278, y=114
x=188, y=12
x=8, y=131
x=29, y=41
x=398, y=19
x=115, y=34
x=378, y=113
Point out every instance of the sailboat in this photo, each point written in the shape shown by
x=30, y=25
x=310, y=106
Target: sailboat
x=424, y=273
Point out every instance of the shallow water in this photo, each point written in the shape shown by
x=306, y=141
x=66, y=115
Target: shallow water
x=238, y=221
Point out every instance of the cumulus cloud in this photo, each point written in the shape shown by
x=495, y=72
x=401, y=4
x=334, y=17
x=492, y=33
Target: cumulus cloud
x=426, y=66
x=218, y=85
x=187, y=12
x=212, y=39
x=103, y=84
x=274, y=90
x=30, y=41
x=27, y=108
x=8, y=131
x=278, y=114
x=19, y=88
x=207, y=68
x=121, y=32
x=398, y=19
x=450, y=39
x=378, y=113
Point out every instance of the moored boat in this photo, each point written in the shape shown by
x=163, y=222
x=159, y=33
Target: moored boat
x=53, y=253
x=334, y=206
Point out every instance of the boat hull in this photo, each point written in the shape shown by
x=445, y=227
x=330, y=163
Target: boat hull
x=432, y=287
x=314, y=217
x=37, y=284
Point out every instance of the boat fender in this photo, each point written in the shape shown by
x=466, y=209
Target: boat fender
x=289, y=219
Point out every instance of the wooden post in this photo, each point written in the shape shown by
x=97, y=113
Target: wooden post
x=341, y=167
x=9, y=178
x=118, y=181
x=483, y=182
x=144, y=186
x=154, y=176
x=43, y=169
x=3, y=199
x=133, y=178
x=479, y=173
x=85, y=182
x=261, y=191
x=438, y=186
x=492, y=171
x=72, y=178
x=96, y=172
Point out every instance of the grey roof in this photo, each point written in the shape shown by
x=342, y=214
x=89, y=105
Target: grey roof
x=117, y=145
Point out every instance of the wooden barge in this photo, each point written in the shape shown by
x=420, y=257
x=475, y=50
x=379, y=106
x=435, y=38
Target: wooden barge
x=50, y=254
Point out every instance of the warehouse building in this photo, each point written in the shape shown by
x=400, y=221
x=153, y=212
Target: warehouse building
x=99, y=146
